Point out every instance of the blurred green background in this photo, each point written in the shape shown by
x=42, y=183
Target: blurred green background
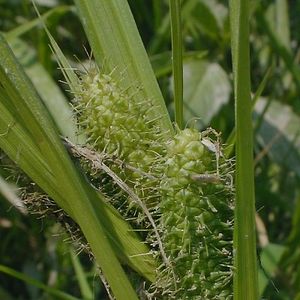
x=38, y=247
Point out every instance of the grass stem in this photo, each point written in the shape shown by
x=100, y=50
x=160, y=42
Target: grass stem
x=177, y=60
x=245, y=261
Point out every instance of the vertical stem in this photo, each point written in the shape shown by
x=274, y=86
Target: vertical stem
x=245, y=261
x=177, y=60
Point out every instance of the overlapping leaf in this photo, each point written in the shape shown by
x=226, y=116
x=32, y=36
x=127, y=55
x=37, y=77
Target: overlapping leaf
x=29, y=138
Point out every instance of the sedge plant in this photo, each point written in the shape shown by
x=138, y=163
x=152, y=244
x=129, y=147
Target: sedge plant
x=175, y=184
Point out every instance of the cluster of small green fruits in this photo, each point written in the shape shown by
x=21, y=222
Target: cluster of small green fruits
x=180, y=189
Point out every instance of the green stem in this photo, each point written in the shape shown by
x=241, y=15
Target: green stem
x=245, y=261
x=177, y=60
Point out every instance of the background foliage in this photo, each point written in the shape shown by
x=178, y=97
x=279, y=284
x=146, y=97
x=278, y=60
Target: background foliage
x=36, y=247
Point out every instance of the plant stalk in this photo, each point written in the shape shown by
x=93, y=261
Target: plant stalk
x=245, y=260
x=176, y=34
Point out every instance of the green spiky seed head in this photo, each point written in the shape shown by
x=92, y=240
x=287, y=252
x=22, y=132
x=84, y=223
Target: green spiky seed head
x=117, y=126
x=115, y=123
x=197, y=219
x=192, y=187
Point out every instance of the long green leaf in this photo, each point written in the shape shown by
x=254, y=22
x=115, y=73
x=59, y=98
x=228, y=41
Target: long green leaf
x=29, y=138
x=245, y=262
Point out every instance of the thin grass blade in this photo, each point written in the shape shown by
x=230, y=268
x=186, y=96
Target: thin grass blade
x=245, y=261
x=85, y=289
x=177, y=66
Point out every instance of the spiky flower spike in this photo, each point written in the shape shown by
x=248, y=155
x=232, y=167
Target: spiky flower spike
x=187, y=179
x=197, y=218
x=120, y=128
x=114, y=122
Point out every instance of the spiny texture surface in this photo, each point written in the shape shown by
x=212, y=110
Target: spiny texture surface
x=197, y=219
x=115, y=123
x=185, y=182
x=121, y=129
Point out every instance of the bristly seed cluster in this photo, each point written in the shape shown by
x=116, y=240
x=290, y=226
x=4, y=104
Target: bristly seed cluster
x=185, y=183
x=113, y=123
x=197, y=219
